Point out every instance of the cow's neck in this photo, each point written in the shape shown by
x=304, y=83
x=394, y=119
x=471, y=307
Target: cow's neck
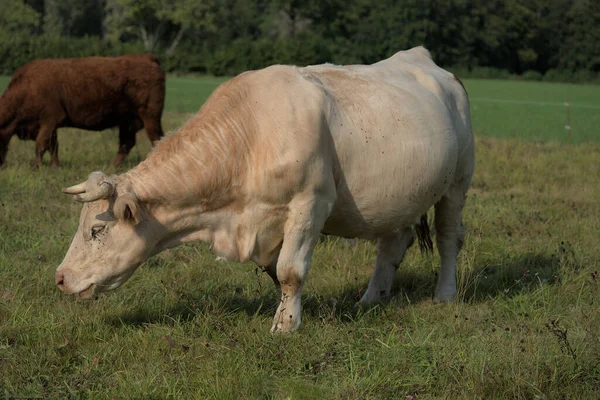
x=192, y=182
x=203, y=163
x=216, y=228
x=183, y=213
x=229, y=227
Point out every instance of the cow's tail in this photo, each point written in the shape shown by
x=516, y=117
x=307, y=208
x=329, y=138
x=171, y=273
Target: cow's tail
x=424, y=235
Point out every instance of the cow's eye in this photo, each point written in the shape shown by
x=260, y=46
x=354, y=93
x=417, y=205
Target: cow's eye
x=97, y=231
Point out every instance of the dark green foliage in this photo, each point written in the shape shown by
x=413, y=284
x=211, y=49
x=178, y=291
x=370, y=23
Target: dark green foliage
x=555, y=40
x=245, y=54
x=17, y=50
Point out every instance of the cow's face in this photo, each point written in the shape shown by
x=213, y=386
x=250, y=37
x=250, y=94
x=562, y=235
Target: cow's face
x=109, y=244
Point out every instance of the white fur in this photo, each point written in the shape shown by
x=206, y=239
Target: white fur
x=276, y=156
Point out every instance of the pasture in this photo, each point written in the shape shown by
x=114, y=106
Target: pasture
x=526, y=322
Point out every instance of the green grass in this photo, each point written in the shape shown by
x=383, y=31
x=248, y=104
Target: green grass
x=533, y=111
x=186, y=95
x=526, y=323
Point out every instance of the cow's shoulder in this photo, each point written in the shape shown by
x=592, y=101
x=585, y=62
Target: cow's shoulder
x=417, y=65
x=270, y=77
x=31, y=77
x=419, y=51
x=275, y=87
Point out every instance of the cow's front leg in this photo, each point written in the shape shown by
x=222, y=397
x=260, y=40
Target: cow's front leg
x=42, y=142
x=271, y=270
x=301, y=233
x=4, y=140
x=127, y=132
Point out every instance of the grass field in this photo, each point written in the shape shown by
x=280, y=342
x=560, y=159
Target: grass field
x=526, y=324
x=532, y=111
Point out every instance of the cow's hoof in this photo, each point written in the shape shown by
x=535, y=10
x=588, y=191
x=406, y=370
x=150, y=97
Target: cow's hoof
x=367, y=305
x=54, y=164
x=118, y=160
x=447, y=297
x=372, y=298
x=362, y=304
x=285, y=326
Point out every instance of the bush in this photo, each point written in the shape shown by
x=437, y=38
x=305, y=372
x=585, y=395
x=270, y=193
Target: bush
x=552, y=75
x=245, y=54
x=489, y=73
x=239, y=55
x=229, y=60
x=581, y=76
x=460, y=72
x=480, y=73
x=18, y=50
x=532, y=76
x=585, y=76
x=557, y=75
x=186, y=59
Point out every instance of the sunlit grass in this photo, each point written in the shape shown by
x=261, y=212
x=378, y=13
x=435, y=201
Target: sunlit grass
x=533, y=111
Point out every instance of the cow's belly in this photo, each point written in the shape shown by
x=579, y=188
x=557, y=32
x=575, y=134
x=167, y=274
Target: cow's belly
x=97, y=117
x=388, y=184
x=395, y=156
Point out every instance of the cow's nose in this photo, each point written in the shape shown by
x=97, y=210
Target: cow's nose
x=60, y=280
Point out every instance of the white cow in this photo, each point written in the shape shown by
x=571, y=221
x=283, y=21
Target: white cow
x=279, y=155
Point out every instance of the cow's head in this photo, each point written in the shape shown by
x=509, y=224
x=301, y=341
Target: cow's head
x=109, y=244
x=9, y=128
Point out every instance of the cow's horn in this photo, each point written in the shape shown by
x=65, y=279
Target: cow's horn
x=98, y=186
x=75, y=189
x=100, y=192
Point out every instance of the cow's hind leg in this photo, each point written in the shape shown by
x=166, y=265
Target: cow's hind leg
x=53, y=147
x=301, y=232
x=42, y=143
x=449, y=239
x=390, y=253
x=153, y=128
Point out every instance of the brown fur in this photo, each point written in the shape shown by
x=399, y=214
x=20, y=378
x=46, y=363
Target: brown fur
x=93, y=93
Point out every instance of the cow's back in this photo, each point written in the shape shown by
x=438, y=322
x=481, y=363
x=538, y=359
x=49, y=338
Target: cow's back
x=92, y=92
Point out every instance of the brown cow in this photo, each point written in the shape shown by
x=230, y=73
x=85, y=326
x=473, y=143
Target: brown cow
x=93, y=93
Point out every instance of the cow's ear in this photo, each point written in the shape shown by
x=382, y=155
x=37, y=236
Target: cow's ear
x=127, y=208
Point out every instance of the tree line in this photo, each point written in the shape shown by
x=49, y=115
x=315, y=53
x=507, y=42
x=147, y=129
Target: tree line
x=535, y=39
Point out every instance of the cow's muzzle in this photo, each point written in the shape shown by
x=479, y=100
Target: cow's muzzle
x=85, y=294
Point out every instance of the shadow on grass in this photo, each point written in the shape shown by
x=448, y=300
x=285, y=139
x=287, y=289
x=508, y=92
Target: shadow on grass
x=506, y=277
